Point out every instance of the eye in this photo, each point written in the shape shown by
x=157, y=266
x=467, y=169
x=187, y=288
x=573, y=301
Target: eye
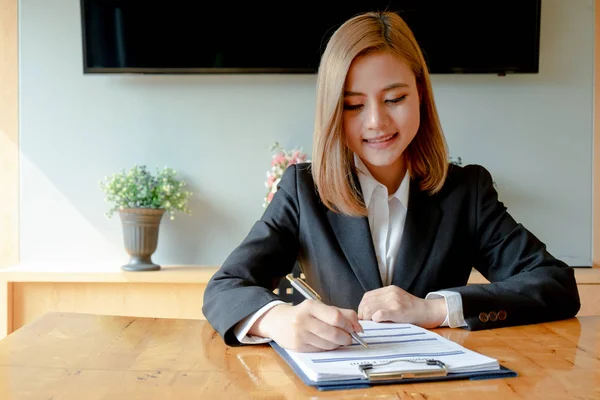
x=352, y=107
x=396, y=100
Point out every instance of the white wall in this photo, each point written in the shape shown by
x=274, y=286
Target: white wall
x=534, y=133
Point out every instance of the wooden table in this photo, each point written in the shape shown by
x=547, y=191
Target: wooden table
x=87, y=357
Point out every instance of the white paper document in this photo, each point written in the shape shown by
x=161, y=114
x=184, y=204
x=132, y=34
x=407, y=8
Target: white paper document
x=406, y=345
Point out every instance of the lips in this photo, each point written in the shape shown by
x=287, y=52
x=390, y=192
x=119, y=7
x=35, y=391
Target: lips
x=381, y=139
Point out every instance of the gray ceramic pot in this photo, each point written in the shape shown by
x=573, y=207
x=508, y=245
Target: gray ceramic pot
x=140, y=236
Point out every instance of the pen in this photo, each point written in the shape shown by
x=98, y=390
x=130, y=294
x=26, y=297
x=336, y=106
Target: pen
x=309, y=293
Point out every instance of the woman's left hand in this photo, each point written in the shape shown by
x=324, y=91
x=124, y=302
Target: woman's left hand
x=390, y=303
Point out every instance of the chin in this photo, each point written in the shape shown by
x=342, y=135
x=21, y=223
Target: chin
x=383, y=161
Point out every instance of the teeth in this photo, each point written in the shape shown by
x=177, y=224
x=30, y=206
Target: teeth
x=383, y=139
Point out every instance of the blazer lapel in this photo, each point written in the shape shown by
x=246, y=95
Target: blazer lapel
x=422, y=220
x=354, y=236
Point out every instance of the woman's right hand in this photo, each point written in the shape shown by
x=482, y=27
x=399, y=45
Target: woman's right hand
x=308, y=326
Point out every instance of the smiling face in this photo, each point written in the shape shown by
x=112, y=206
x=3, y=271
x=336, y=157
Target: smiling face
x=381, y=113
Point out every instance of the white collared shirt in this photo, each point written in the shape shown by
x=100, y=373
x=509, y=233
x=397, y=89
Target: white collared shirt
x=386, y=215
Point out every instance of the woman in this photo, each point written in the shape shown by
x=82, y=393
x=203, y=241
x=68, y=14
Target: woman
x=384, y=228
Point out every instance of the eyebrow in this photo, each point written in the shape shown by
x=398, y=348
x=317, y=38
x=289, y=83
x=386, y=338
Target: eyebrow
x=385, y=89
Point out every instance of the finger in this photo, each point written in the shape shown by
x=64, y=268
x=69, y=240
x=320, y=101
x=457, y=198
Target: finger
x=367, y=297
x=351, y=316
x=332, y=316
x=379, y=316
x=369, y=308
x=375, y=300
x=387, y=315
x=321, y=343
x=377, y=305
x=360, y=308
x=329, y=336
x=363, y=311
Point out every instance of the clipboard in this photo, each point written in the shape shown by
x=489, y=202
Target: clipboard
x=362, y=383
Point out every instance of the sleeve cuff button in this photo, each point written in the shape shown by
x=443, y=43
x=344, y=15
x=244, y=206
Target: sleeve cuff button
x=501, y=315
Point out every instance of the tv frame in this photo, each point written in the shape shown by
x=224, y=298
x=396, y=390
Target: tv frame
x=295, y=71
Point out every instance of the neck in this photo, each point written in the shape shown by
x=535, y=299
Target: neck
x=389, y=175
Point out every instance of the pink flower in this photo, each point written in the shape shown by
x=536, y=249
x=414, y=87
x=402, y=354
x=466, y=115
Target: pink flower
x=298, y=157
x=270, y=180
x=278, y=159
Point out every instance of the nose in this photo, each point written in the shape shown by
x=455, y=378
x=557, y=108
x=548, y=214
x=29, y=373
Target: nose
x=377, y=118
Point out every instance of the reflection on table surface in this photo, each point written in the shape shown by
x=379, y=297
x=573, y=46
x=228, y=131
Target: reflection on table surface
x=82, y=356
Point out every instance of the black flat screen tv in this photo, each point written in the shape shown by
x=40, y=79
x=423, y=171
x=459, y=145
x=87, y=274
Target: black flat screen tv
x=196, y=36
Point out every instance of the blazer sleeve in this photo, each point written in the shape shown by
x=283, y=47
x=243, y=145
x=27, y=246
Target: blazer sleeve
x=247, y=278
x=528, y=285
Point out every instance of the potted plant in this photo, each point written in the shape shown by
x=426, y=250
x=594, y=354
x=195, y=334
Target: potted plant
x=141, y=199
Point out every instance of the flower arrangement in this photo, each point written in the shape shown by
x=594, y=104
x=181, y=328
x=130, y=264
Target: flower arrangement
x=456, y=161
x=138, y=188
x=281, y=159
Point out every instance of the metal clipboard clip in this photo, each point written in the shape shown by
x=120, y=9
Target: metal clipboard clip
x=368, y=370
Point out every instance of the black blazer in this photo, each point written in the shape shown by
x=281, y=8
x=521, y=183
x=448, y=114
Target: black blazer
x=445, y=236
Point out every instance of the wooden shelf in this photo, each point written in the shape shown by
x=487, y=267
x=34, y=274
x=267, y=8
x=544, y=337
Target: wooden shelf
x=171, y=274
x=103, y=273
x=176, y=291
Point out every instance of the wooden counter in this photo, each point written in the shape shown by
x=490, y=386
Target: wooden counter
x=28, y=291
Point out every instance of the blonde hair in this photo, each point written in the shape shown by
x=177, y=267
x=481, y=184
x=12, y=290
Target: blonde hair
x=333, y=162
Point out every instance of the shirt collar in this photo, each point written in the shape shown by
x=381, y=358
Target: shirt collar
x=368, y=184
